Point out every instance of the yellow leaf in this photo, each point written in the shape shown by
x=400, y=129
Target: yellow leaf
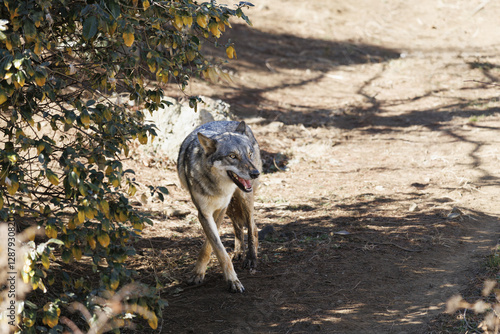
x=45, y=261
x=190, y=55
x=85, y=118
x=138, y=226
x=52, y=321
x=122, y=216
x=231, y=53
x=52, y=177
x=3, y=97
x=50, y=231
x=222, y=26
x=108, y=170
x=1, y=202
x=71, y=224
x=103, y=239
x=91, y=242
x=83, y=189
x=19, y=80
x=12, y=186
x=77, y=252
x=143, y=138
x=104, y=206
x=114, y=283
x=145, y=4
x=8, y=44
x=38, y=49
x=202, y=20
x=178, y=22
x=81, y=216
x=128, y=38
x=40, y=148
x=132, y=190
x=214, y=29
x=187, y=20
x=89, y=212
x=152, y=67
x=153, y=321
x=40, y=80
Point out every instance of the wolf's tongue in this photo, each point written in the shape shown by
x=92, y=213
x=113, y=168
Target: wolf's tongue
x=246, y=183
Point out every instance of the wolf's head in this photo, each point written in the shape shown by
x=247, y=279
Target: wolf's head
x=232, y=156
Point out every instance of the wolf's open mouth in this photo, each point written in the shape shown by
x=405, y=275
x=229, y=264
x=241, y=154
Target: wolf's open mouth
x=243, y=184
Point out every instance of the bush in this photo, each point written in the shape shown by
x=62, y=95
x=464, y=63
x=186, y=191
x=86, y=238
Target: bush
x=65, y=136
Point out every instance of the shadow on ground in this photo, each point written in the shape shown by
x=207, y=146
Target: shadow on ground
x=319, y=269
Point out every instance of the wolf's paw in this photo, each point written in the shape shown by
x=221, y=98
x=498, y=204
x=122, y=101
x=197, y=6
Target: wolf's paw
x=250, y=262
x=237, y=256
x=196, y=279
x=236, y=286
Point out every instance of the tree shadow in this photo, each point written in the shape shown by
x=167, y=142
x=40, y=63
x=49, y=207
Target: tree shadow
x=273, y=53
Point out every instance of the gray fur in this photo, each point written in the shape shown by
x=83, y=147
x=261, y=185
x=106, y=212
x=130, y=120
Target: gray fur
x=219, y=163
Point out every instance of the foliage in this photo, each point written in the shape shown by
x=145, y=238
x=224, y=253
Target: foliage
x=65, y=136
x=491, y=321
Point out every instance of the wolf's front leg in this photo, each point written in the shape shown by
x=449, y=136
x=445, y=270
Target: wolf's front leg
x=205, y=252
x=210, y=228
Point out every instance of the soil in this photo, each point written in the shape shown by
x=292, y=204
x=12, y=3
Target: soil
x=379, y=125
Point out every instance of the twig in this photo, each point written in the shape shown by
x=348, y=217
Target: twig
x=484, y=83
x=278, y=168
x=480, y=7
x=396, y=245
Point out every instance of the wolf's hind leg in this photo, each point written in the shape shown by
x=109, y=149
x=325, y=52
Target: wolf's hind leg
x=240, y=210
x=239, y=239
x=201, y=264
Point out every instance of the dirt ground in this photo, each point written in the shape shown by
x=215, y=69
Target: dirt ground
x=379, y=125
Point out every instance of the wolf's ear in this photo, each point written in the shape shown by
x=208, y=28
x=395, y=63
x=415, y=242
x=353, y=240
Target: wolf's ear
x=208, y=144
x=242, y=128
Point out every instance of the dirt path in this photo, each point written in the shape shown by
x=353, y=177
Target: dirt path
x=391, y=147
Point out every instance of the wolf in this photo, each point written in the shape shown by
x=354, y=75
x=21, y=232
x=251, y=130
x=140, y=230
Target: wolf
x=219, y=164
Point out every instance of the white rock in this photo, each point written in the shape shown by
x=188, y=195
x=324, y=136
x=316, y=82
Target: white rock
x=175, y=122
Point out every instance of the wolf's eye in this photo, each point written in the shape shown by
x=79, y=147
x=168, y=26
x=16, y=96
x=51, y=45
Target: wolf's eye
x=232, y=156
x=250, y=154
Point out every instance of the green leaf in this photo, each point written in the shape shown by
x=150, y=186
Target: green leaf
x=89, y=27
x=29, y=31
x=115, y=9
